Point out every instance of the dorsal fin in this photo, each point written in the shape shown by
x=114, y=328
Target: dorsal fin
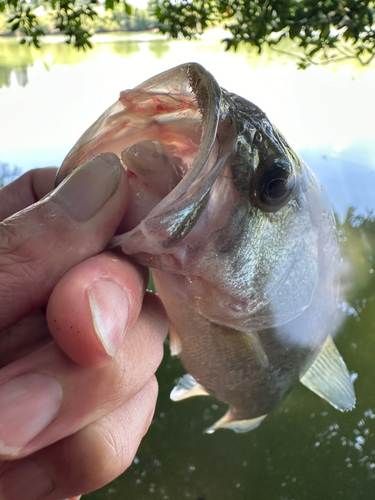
x=187, y=387
x=330, y=379
x=228, y=421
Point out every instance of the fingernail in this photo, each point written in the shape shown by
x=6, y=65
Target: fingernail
x=28, y=404
x=26, y=480
x=86, y=189
x=110, y=310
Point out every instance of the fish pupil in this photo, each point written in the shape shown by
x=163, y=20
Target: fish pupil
x=276, y=189
x=272, y=186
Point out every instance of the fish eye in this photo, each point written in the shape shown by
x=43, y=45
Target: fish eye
x=272, y=187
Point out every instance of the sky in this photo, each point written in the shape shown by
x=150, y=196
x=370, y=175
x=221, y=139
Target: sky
x=141, y=4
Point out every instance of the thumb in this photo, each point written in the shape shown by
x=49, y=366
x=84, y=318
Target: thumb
x=39, y=244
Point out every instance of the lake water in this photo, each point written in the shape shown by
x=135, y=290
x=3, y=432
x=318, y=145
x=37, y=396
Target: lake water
x=304, y=449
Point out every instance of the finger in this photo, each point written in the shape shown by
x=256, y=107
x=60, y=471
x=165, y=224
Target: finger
x=94, y=305
x=26, y=190
x=85, y=461
x=45, y=396
x=41, y=243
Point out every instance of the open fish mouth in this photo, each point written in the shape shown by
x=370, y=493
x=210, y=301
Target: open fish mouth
x=164, y=131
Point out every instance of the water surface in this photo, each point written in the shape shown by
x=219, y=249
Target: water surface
x=305, y=449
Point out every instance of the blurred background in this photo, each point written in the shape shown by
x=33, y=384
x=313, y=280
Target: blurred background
x=305, y=449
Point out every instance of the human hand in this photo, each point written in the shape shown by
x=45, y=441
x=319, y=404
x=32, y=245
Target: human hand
x=79, y=340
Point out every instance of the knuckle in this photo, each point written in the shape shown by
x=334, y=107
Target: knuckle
x=15, y=243
x=9, y=237
x=114, y=452
x=15, y=260
x=21, y=252
x=106, y=451
x=117, y=451
x=120, y=432
x=16, y=265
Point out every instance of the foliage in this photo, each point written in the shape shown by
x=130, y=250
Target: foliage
x=69, y=17
x=357, y=243
x=323, y=30
x=117, y=19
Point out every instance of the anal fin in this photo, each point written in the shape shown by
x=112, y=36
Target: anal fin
x=330, y=379
x=228, y=421
x=187, y=387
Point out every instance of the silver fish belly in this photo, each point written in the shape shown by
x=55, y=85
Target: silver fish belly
x=240, y=237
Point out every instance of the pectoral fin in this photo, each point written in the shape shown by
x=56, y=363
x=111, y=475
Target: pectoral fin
x=228, y=421
x=187, y=387
x=255, y=345
x=330, y=379
x=174, y=341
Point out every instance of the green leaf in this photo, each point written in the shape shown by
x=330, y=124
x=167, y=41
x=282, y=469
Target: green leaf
x=313, y=51
x=15, y=25
x=325, y=31
x=128, y=9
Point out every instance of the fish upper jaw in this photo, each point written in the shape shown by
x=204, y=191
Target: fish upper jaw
x=153, y=110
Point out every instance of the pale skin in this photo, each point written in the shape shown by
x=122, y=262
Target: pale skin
x=80, y=339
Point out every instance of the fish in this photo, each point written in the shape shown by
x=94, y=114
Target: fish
x=239, y=235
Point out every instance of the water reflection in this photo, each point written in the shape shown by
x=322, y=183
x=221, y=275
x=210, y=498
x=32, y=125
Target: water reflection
x=159, y=48
x=125, y=48
x=16, y=59
x=357, y=238
x=19, y=72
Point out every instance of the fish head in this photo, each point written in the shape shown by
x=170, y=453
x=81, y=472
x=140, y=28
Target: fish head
x=221, y=201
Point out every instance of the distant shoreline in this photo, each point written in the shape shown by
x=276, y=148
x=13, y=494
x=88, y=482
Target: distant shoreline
x=109, y=32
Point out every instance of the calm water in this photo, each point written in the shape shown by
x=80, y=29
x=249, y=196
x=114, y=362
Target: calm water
x=304, y=449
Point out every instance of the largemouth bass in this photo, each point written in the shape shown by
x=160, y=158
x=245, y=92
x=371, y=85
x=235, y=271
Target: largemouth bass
x=240, y=238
